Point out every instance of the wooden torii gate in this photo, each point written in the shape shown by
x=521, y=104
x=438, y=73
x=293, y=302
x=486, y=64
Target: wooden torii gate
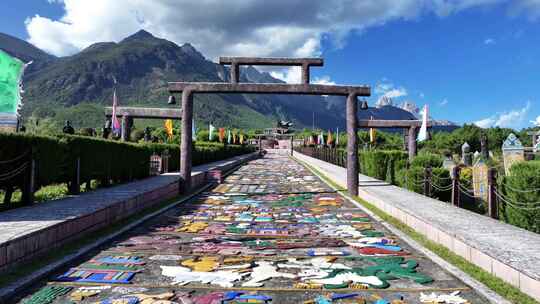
x=411, y=125
x=127, y=114
x=188, y=89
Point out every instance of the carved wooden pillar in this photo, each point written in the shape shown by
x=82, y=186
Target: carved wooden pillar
x=305, y=74
x=186, y=145
x=352, y=145
x=412, y=143
x=235, y=73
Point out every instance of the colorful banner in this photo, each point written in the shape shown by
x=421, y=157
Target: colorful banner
x=422, y=135
x=221, y=135
x=329, y=140
x=211, y=132
x=115, y=122
x=169, y=128
x=11, y=71
x=193, y=130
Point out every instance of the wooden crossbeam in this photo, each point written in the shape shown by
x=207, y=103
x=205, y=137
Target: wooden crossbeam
x=269, y=88
x=138, y=112
x=274, y=61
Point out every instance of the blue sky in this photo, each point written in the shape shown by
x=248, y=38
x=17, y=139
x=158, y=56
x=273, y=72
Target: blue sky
x=469, y=60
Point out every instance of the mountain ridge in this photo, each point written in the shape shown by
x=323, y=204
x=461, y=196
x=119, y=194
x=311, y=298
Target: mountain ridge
x=142, y=64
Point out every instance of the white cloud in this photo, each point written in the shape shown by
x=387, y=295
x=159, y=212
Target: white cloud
x=289, y=75
x=387, y=89
x=512, y=119
x=397, y=92
x=233, y=27
x=489, y=41
x=422, y=95
x=485, y=123
x=536, y=122
x=443, y=102
x=323, y=80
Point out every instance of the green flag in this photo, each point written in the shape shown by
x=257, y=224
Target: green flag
x=11, y=70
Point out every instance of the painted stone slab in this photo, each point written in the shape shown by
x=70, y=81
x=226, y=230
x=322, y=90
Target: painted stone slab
x=96, y=276
x=480, y=179
x=513, y=152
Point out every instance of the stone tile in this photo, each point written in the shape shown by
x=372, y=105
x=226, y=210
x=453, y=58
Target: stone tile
x=529, y=286
x=462, y=249
x=446, y=240
x=506, y=273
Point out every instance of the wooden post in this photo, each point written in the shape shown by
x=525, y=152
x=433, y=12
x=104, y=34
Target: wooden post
x=29, y=183
x=352, y=145
x=292, y=140
x=186, y=145
x=75, y=183
x=125, y=128
x=305, y=74
x=492, y=199
x=412, y=143
x=427, y=181
x=455, y=186
x=235, y=73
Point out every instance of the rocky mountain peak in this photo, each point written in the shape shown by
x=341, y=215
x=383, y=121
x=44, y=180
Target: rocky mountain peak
x=140, y=35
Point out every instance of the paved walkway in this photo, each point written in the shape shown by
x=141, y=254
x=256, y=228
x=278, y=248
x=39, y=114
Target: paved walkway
x=22, y=221
x=271, y=233
x=504, y=250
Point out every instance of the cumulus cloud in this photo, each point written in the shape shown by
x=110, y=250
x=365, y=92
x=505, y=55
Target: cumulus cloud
x=323, y=80
x=389, y=90
x=443, y=102
x=233, y=27
x=489, y=41
x=536, y=122
x=512, y=119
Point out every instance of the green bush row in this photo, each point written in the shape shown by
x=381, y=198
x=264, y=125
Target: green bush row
x=520, y=188
x=381, y=164
x=104, y=160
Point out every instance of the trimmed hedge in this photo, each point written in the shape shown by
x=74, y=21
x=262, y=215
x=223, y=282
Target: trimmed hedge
x=525, y=212
x=382, y=165
x=104, y=160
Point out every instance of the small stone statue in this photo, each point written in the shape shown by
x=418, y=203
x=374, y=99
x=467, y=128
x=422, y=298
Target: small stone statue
x=147, y=135
x=466, y=156
x=107, y=129
x=484, y=146
x=68, y=129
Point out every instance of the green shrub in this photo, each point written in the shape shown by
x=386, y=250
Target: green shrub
x=425, y=160
x=525, y=209
x=411, y=179
x=382, y=165
x=104, y=160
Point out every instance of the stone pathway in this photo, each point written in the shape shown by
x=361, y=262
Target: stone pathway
x=271, y=233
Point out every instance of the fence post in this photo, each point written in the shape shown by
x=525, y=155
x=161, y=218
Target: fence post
x=29, y=182
x=75, y=183
x=492, y=199
x=455, y=186
x=427, y=181
x=292, y=145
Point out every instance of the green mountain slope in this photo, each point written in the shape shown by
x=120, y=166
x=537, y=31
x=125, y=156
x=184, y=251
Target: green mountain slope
x=142, y=65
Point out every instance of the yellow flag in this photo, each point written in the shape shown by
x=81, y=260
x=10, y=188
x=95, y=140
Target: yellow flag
x=169, y=127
